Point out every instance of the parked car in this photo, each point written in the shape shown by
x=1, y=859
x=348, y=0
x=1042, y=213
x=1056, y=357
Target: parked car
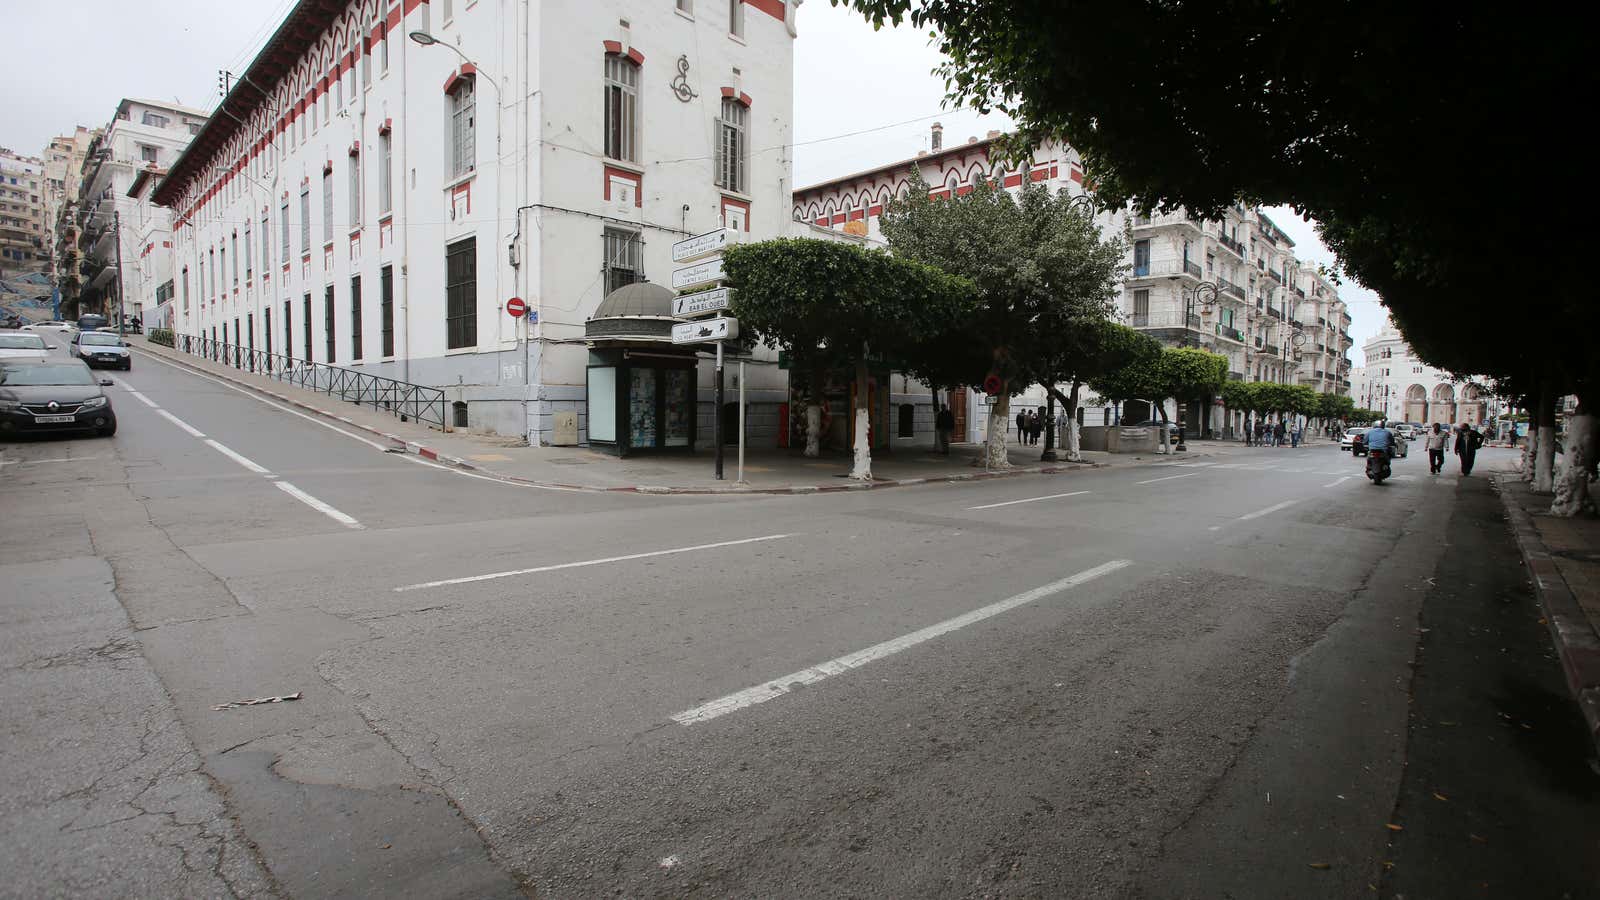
x=1352, y=437
x=23, y=345
x=55, y=325
x=53, y=396
x=99, y=348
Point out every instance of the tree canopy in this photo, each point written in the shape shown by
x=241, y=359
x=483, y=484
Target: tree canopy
x=1173, y=372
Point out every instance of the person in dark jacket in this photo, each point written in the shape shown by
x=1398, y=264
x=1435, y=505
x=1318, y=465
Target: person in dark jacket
x=944, y=425
x=1467, y=443
x=1022, y=426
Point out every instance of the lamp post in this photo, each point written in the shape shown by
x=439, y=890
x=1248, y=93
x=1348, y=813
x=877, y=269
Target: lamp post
x=1203, y=295
x=425, y=39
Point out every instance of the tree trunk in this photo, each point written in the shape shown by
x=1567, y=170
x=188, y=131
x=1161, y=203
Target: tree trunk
x=1163, y=440
x=813, y=428
x=862, y=471
x=1525, y=464
x=994, y=450
x=1074, y=450
x=1544, y=463
x=1572, y=491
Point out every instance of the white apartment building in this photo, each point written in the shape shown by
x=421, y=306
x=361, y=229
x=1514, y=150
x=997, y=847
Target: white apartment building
x=63, y=176
x=23, y=245
x=370, y=201
x=142, y=134
x=1396, y=383
x=1253, y=317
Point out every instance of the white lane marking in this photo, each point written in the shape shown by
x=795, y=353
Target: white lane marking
x=1168, y=478
x=1339, y=482
x=55, y=459
x=521, y=484
x=318, y=505
x=777, y=687
x=1029, y=500
x=193, y=431
x=590, y=562
x=142, y=398
x=238, y=458
x=278, y=406
x=1268, y=511
x=1215, y=528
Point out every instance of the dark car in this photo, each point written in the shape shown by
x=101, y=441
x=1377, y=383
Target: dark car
x=52, y=396
x=102, y=348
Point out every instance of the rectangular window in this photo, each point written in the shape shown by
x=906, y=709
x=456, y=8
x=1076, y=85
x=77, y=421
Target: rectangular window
x=686, y=7
x=185, y=288
x=147, y=153
x=386, y=310
x=621, y=109
x=1141, y=257
x=355, y=318
x=385, y=182
x=732, y=145
x=338, y=93
x=222, y=270
x=327, y=207
x=383, y=46
x=212, y=283
x=151, y=118
x=249, y=259
x=266, y=254
x=355, y=191
x=461, y=294
x=366, y=62
x=327, y=323
x=235, y=259
x=1141, y=307
x=266, y=332
x=447, y=9
x=285, y=220
x=624, y=253
x=288, y=328
x=305, y=310
x=463, y=131
x=305, y=220
x=736, y=18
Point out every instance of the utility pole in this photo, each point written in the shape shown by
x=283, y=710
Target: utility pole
x=116, y=235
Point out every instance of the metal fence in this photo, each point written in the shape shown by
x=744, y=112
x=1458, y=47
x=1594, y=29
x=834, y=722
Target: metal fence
x=406, y=401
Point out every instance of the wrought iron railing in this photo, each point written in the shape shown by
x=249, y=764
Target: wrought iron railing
x=404, y=400
x=1232, y=334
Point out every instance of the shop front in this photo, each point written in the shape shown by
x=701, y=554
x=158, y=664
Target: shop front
x=641, y=389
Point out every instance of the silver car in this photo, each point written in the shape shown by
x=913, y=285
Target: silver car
x=102, y=348
x=23, y=345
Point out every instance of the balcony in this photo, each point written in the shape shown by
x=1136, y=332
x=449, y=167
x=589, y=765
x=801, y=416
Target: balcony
x=1228, y=287
x=1165, y=268
x=1273, y=274
x=1300, y=291
x=1234, y=247
x=1172, y=319
x=1231, y=333
x=1297, y=325
x=1165, y=220
x=1271, y=350
x=1235, y=376
x=1274, y=312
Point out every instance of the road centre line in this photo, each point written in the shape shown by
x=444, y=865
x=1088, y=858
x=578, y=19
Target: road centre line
x=193, y=431
x=1268, y=511
x=239, y=458
x=1339, y=482
x=777, y=687
x=318, y=505
x=590, y=562
x=1028, y=500
x=1168, y=478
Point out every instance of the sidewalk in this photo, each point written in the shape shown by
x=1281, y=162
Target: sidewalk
x=579, y=468
x=1563, y=560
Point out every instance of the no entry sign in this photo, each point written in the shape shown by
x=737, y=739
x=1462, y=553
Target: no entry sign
x=516, y=307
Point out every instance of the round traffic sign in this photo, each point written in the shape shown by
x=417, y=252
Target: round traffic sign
x=516, y=307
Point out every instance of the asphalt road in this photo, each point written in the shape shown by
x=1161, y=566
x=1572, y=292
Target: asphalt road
x=1200, y=679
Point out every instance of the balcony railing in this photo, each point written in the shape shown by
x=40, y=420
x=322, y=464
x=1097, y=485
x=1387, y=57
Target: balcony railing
x=1274, y=312
x=404, y=400
x=1165, y=268
x=1271, y=350
x=1301, y=291
x=1163, y=220
x=1228, y=287
x=1231, y=333
x=1171, y=319
x=1232, y=245
x=1273, y=274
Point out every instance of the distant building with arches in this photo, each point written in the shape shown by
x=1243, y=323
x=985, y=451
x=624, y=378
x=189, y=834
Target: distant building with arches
x=1406, y=389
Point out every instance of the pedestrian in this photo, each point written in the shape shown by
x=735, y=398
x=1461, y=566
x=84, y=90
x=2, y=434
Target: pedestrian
x=1294, y=436
x=944, y=424
x=1035, y=427
x=1277, y=433
x=1467, y=443
x=1435, y=443
x=1249, y=433
x=1512, y=436
x=1022, y=426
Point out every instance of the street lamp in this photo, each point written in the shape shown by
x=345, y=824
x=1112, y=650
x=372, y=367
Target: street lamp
x=1205, y=296
x=425, y=39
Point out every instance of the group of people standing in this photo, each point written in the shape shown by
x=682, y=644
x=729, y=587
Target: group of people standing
x=1031, y=425
x=1275, y=434
x=1467, y=442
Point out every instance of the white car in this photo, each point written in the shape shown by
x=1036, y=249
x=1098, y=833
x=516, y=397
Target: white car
x=57, y=326
x=23, y=345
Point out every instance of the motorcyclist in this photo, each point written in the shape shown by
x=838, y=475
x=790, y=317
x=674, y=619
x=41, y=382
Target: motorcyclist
x=1380, y=438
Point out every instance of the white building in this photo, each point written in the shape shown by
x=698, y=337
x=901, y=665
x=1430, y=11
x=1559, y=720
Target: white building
x=1259, y=316
x=141, y=134
x=1405, y=389
x=23, y=244
x=372, y=202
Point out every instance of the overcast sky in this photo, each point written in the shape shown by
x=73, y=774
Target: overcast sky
x=862, y=98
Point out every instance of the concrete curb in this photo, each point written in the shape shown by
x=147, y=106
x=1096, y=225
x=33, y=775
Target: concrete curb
x=402, y=445
x=1577, y=643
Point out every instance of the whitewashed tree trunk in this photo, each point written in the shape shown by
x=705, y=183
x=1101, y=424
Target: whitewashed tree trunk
x=1530, y=451
x=862, y=470
x=1572, y=490
x=814, y=428
x=994, y=449
x=1074, y=447
x=1544, y=465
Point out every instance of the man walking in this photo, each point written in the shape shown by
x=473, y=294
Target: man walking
x=1435, y=443
x=1467, y=444
x=944, y=424
x=1249, y=433
x=1277, y=433
x=1022, y=426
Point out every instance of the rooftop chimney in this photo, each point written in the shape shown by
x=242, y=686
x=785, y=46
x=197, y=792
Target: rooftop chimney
x=938, y=137
x=994, y=133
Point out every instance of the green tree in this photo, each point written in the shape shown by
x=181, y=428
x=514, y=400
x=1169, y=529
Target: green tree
x=832, y=301
x=1242, y=396
x=1040, y=269
x=1174, y=372
x=1087, y=350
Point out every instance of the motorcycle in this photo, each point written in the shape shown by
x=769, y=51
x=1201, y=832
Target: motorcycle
x=1377, y=465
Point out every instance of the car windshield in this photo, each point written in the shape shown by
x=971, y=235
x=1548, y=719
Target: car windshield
x=44, y=375
x=99, y=340
x=21, y=342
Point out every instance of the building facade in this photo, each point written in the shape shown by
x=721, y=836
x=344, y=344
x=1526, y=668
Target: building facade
x=1403, y=388
x=63, y=178
x=1274, y=319
x=107, y=277
x=24, y=248
x=371, y=201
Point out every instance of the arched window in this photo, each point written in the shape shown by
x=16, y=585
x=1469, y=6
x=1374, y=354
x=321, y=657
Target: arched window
x=621, y=108
x=462, y=104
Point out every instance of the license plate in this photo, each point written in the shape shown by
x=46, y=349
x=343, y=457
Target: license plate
x=107, y=357
x=52, y=420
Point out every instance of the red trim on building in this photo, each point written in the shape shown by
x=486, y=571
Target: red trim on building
x=773, y=8
x=624, y=174
x=386, y=127
x=1076, y=175
x=636, y=56
x=743, y=98
x=613, y=47
x=736, y=204
x=465, y=70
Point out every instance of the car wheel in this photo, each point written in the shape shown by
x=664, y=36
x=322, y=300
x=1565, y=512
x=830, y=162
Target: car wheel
x=127, y=366
x=108, y=431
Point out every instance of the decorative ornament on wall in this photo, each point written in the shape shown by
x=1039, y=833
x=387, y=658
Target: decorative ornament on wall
x=680, y=84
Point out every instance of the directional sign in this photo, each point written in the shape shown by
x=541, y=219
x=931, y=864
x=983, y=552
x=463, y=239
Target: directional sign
x=690, y=305
x=722, y=328
x=516, y=307
x=703, y=245
x=708, y=272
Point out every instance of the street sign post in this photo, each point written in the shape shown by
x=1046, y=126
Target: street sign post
x=516, y=307
x=703, y=331
x=701, y=273
x=703, y=245
x=703, y=303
